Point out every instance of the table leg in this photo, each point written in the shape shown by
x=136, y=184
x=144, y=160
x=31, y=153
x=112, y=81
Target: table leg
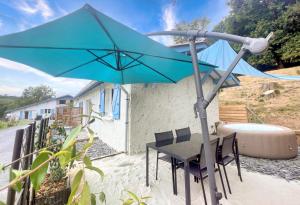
x=147, y=166
x=187, y=183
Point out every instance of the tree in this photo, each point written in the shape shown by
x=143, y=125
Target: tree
x=36, y=94
x=257, y=18
x=197, y=24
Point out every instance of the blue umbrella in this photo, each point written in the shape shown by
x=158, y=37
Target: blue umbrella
x=87, y=44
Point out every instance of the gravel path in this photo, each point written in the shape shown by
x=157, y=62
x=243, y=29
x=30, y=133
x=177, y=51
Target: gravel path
x=98, y=149
x=286, y=169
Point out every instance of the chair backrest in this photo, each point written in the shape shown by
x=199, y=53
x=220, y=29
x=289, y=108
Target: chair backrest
x=214, y=151
x=164, y=138
x=228, y=144
x=183, y=134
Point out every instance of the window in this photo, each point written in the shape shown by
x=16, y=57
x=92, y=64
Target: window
x=62, y=102
x=110, y=102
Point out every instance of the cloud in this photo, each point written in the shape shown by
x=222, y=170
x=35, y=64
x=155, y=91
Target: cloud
x=36, y=7
x=168, y=23
x=10, y=90
x=60, y=85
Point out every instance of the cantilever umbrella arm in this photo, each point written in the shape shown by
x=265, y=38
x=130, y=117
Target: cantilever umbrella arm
x=252, y=45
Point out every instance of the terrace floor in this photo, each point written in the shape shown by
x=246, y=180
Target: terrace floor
x=123, y=172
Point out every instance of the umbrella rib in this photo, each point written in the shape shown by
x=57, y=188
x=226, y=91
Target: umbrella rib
x=62, y=73
x=106, y=63
x=92, y=11
x=173, y=81
x=126, y=51
x=99, y=56
x=126, y=66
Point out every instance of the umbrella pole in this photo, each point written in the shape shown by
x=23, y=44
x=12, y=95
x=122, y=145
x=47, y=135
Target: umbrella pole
x=200, y=105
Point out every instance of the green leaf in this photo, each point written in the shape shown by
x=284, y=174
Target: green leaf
x=73, y=155
x=75, y=185
x=102, y=197
x=93, y=199
x=39, y=175
x=96, y=169
x=15, y=174
x=72, y=137
x=87, y=161
x=146, y=197
x=142, y=203
x=91, y=139
x=65, y=156
x=1, y=167
x=85, y=198
x=132, y=195
x=2, y=203
x=128, y=202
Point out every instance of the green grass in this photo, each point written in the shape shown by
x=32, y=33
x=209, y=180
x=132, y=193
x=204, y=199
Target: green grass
x=7, y=124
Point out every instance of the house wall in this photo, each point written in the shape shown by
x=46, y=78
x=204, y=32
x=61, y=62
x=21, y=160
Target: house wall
x=35, y=109
x=163, y=107
x=112, y=132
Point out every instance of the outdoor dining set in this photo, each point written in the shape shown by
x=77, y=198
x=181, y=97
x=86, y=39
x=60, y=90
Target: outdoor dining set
x=186, y=151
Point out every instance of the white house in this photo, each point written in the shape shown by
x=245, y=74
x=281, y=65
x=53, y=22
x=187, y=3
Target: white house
x=131, y=114
x=46, y=107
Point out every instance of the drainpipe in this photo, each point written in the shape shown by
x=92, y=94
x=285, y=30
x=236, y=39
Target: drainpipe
x=126, y=118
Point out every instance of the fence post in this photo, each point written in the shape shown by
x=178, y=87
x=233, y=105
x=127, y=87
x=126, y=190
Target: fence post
x=11, y=193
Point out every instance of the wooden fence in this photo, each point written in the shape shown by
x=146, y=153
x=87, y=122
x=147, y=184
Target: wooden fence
x=71, y=116
x=233, y=113
x=22, y=160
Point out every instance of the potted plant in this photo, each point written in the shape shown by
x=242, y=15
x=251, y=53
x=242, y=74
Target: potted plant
x=55, y=189
x=48, y=172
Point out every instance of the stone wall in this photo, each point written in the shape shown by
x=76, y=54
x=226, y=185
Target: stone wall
x=163, y=107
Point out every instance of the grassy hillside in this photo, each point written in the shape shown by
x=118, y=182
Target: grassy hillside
x=7, y=102
x=282, y=109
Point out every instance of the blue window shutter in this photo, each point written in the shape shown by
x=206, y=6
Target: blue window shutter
x=102, y=102
x=116, y=102
x=21, y=115
x=41, y=111
x=30, y=115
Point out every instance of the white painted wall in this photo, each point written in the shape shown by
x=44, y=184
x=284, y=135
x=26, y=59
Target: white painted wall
x=35, y=109
x=163, y=107
x=152, y=108
x=112, y=132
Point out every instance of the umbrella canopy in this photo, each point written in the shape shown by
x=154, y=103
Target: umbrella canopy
x=222, y=54
x=87, y=44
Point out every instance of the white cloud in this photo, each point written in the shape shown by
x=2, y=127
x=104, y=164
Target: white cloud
x=36, y=7
x=10, y=90
x=169, y=23
x=60, y=85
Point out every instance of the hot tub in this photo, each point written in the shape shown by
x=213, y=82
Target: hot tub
x=263, y=140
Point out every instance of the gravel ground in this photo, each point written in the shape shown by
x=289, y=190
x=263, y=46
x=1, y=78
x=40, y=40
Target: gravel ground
x=286, y=169
x=98, y=149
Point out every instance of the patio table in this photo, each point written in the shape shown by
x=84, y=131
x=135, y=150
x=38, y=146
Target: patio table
x=182, y=151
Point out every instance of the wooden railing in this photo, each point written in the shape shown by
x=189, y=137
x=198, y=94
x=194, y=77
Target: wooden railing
x=233, y=113
x=70, y=116
x=23, y=146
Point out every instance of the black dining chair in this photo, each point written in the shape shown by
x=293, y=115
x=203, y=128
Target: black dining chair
x=183, y=134
x=162, y=139
x=198, y=167
x=228, y=152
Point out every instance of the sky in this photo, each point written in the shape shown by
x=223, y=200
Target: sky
x=142, y=15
